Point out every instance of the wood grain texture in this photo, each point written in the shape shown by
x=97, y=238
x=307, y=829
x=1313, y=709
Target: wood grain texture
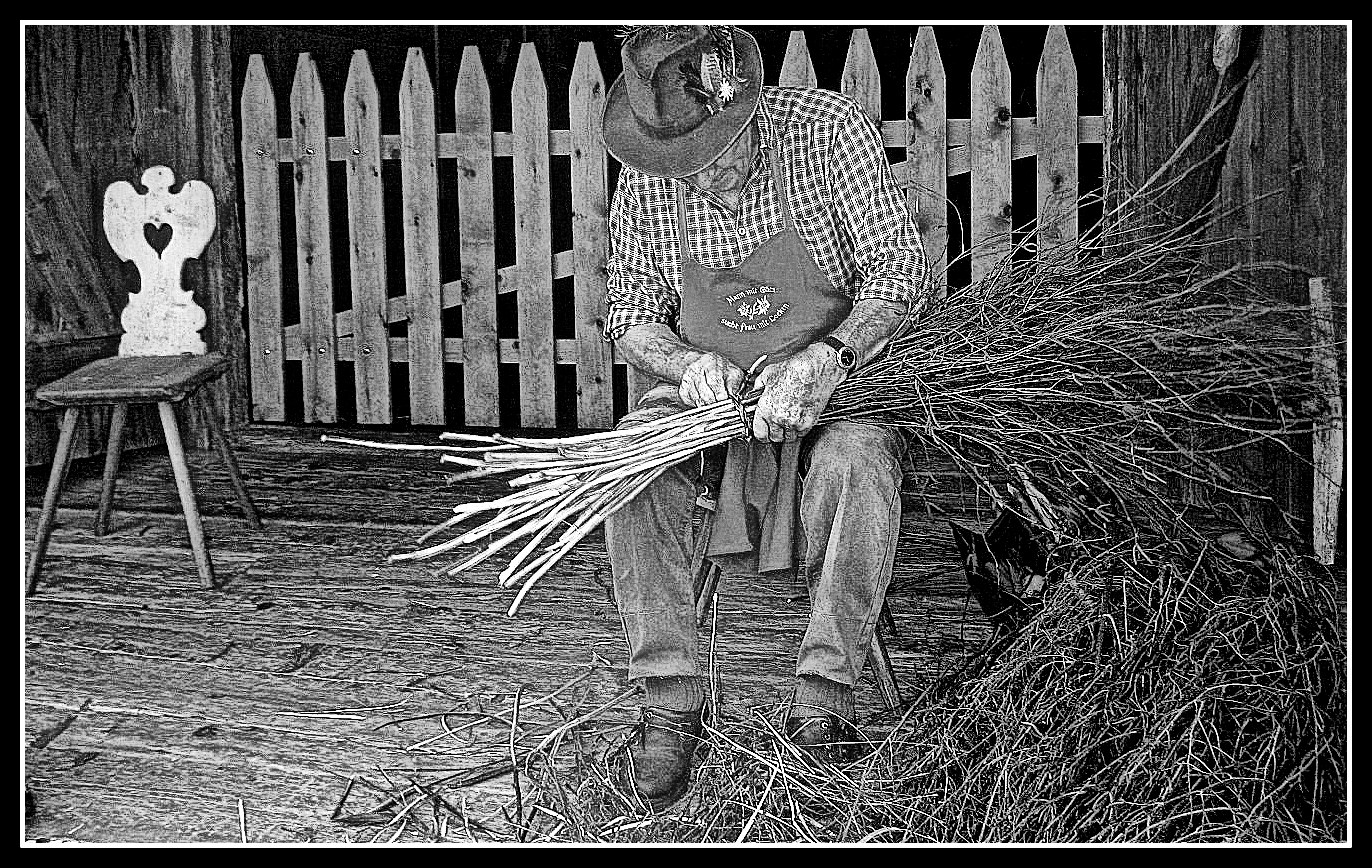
x=590, y=235
x=1056, y=92
x=423, y=292
x=533, y=242
x=926, y=154
x=262, y=243
x=476, y=237
x=314, y=257
x=367, y=244
x=989, y=153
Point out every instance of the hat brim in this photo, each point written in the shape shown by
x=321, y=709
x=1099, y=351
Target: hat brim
x=687, y=154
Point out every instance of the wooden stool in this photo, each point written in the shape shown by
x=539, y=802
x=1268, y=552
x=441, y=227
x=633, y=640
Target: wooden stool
x=118, y=382
x=707, y=581
x=705, y=575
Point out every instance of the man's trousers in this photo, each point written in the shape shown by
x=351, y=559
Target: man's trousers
x=850, y=476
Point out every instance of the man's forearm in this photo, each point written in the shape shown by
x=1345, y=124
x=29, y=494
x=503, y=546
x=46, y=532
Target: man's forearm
x=656, y=350
x=870, y=326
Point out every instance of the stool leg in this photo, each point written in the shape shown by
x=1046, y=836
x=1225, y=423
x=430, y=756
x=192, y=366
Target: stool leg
x=210, y=410
x=183, y=487
x=113, y=450
x=60, y=461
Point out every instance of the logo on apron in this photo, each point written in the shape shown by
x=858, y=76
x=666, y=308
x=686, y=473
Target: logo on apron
x=755, y=308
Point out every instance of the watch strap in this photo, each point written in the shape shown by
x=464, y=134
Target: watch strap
x=847, y=357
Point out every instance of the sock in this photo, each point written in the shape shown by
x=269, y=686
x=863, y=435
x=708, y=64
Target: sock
x=816, y=695
x=674, y=692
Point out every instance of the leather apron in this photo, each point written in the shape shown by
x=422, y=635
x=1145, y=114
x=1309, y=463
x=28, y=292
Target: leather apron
x=776, y=302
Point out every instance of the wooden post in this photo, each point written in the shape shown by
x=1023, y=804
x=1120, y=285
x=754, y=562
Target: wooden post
x=797, y=70
x=590, y=232
x=262, y=241
x=475, y=205
x=861, y=78
x=419, y=185
x=367, y=245
x=989, y=144
x=533, y=242
x=1057, y=142
x=314, y=261
x=926, y=154
x=1328, y=445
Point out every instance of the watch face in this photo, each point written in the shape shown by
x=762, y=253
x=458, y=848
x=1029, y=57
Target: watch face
x=847, y=358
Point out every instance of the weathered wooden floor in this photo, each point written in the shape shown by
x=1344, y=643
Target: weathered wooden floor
x=154, y=707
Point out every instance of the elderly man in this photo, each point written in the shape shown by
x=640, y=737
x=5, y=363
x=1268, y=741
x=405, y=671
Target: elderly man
x=752, y=221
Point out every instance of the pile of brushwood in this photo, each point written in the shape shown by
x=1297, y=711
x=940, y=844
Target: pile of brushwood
x=1169, y=688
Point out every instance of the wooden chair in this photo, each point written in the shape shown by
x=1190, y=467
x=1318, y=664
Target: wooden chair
x=161, y=360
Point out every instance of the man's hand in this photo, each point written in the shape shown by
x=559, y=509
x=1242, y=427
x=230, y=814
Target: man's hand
x=795, y=392
x=708, y=379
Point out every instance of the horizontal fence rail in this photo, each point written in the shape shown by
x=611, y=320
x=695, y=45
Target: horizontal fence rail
x=937, y=148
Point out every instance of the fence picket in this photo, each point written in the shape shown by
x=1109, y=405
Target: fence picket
x=262, y=243
x=797, y=70
x=314, y=260
x=1057, y=141
x=590, y=229
x=367, y=243
x=989, y=144
x=926, y=154
x=476, y=230
x=861, y=78
x=533, y=233
x=423, y=290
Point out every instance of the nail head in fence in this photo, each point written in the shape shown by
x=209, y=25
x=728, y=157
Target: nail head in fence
x=1057, y=142
x=926, y=153
x=314, y=261
x=367, y=242
x=590, y=228
x=989, y=144
x=262, y=243
x=533, y=252
x=419, y=185
x=476, y=237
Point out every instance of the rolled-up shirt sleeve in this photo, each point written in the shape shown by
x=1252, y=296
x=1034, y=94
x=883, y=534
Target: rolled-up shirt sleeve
x=636, y=291
x=872, y=213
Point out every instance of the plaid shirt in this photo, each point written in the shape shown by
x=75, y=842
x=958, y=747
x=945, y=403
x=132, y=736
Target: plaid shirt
x=844, y=202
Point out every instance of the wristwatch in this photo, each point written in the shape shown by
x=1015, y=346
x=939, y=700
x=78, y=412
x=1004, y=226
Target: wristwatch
x=847, y=357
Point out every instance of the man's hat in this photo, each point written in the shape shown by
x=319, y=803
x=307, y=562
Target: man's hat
x=686, y=93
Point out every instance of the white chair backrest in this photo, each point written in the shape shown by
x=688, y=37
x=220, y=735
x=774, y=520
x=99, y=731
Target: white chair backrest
x=161, y=319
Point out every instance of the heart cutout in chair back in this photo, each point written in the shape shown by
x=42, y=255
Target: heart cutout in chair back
x=158, y=237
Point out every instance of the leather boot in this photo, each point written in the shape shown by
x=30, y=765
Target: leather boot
x=660, y=754
x=825, y=738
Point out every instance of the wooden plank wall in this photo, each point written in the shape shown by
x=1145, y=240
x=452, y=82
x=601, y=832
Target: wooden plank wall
x=938, y=148
x=1277, y=168
x=109, y=101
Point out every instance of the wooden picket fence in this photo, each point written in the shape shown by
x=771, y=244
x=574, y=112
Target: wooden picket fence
x=937, y=147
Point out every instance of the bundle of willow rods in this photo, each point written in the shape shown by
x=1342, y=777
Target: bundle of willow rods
x=1115, y=370
x=1126, y=363
x=567, y=483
